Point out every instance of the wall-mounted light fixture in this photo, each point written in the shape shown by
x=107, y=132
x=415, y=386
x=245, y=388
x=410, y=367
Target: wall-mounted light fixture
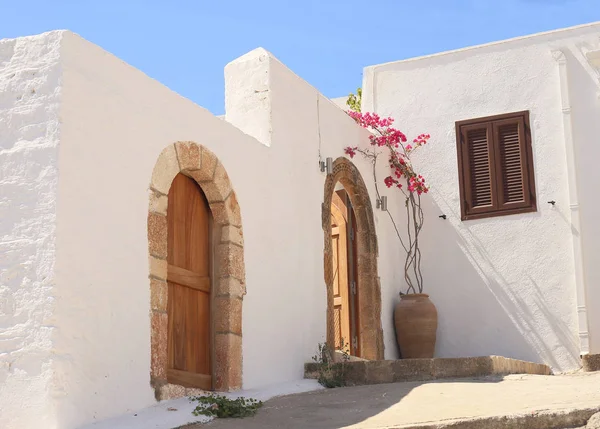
x=326, y=165
x=382, y=203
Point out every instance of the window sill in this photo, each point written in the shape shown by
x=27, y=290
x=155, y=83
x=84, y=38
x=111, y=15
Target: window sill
x=521, y=210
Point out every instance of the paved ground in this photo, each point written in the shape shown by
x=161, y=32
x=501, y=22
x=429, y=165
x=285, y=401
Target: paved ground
x=407, y=404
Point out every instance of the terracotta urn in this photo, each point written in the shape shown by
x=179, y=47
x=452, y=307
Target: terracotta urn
x=416, y=322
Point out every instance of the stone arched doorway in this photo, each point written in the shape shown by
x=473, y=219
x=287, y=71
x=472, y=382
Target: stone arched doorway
x=368, y=288
x=228, y=288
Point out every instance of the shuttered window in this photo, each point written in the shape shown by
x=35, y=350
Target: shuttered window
x=495, y=164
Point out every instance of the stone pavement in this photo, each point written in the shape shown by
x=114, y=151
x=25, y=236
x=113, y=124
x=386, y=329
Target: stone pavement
x=515, y=401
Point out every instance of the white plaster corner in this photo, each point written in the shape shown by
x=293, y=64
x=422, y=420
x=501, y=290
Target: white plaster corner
x=247, y=94
x=260, y=54
x=559, y=56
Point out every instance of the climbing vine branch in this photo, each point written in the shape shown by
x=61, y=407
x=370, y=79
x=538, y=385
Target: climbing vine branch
x=391, y=142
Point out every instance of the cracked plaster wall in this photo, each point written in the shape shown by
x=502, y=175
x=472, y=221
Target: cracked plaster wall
x=30, y=94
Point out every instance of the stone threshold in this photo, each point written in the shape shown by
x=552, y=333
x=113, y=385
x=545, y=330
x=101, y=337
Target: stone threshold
x=547, y=419
x=394, y=371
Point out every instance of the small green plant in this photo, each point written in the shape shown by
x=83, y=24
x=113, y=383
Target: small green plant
x=354, y=100
x=222, y=407
x=331, y=373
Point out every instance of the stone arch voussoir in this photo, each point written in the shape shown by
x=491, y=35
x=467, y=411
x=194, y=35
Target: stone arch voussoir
x=228, y=287
x=369, y=290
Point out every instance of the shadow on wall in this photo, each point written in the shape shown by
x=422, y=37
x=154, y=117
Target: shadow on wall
x=480, y=312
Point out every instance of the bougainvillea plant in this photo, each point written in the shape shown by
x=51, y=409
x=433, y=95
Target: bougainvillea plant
x=385, y=140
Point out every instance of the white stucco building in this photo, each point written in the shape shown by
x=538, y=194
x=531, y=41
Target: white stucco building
x=526, y=281
x=89, y=147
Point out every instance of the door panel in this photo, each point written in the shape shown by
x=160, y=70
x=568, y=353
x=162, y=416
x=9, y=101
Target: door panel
x=188, y=278
x=341, y=308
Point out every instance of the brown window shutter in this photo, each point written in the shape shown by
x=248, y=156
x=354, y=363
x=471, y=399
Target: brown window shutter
x=511, y=164
x=478, y=168
x=495, y=162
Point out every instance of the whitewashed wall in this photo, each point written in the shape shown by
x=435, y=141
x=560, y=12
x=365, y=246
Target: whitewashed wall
x=340, y=102
x=29, y=137
x=115, y=123
x=584, y=100
x=502, y=285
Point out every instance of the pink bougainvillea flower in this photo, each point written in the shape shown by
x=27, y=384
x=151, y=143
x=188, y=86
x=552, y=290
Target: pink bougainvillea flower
x=350, y=151
x=389, y=181
x=386, y=136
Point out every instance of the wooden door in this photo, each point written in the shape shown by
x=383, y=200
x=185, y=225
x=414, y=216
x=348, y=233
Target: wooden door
x=341, y=307
x=345, y=296
x=188, y=277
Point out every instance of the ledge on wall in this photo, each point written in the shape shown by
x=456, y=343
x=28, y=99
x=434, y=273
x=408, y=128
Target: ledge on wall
x=395, y=371
x=593, y=58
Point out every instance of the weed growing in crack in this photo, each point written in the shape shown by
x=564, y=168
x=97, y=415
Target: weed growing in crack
x=331, y=373
x=222, y=407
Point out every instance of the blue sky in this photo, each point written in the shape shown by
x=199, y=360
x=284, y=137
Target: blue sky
x=186, y=44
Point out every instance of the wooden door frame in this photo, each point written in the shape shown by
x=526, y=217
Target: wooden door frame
x=353, y=276
x=228, y=281
x=370, y=331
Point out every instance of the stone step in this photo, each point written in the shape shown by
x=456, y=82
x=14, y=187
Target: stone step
x=392, y=371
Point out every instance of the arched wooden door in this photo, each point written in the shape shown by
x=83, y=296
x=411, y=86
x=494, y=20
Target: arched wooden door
x=345, y=308
x=188, y=277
